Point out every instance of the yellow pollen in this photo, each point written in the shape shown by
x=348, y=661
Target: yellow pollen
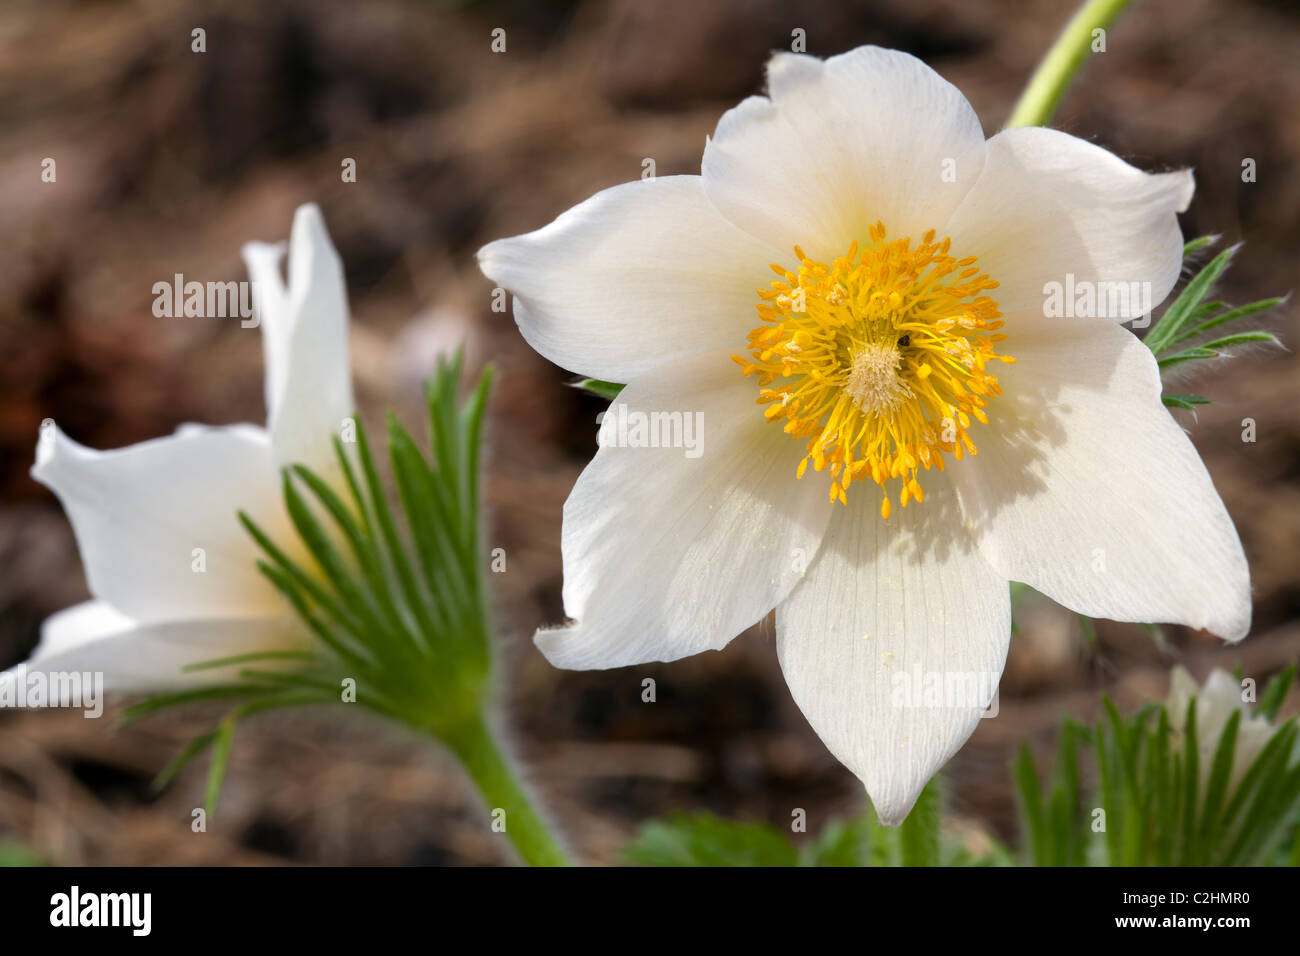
x=882, y=358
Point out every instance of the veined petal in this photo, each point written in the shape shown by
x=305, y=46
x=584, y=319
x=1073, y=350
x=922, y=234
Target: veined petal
x=894, y=644
x=639, y=274
x=94, y=638
x=666, y=554
x=305, y=342
x=1087, y=489
x=867, y=135
x=1051, y=208
x=149, y=516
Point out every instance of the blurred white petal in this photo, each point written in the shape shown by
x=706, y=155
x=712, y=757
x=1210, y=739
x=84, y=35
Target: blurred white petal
x=146, y=516
x=136, y=657
x=1216, y=701
x=305, y=336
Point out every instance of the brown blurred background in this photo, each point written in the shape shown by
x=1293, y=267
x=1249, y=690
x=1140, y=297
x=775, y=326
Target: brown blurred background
x=169, y=160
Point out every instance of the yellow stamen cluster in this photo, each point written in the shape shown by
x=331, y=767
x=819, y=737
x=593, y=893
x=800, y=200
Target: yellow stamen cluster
x=878, y=359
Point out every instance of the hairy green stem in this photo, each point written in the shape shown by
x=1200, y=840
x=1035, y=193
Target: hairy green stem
x=1047, y=87
x=505, y=795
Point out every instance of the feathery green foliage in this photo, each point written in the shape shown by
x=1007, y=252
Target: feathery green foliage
x=1183, y=333
x=1155, y=801
x=1128, y=791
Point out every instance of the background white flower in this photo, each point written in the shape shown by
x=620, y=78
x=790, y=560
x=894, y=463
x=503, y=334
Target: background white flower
x=140, y=512
x=1216, y=700
x=1084, y=487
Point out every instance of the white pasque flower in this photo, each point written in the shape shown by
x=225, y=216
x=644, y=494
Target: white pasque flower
x=1216, y=700
x=921, y=258
x=141, y=512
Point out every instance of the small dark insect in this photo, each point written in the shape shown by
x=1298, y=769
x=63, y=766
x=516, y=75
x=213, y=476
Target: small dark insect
x=904, y=342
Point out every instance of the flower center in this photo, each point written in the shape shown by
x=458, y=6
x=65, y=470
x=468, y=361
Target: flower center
x=878, y=359
x=874, y=382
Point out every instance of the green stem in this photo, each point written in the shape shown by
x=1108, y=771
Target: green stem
x=1047, y=87
x=491, y=772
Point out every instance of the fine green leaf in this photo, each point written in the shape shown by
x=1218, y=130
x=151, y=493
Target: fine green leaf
x=1180, y=312
x=1191, y=331
x=286, y=586
x=296, y=580
x=1033, y=821
x=1215, y=349
x=919, y=831
x=251, y=657
x=1275, y=691
x=1275, y=794
x=152, y=705
x=606, y=390
x=1241, y=338
x=840, y=844
x=222, y=743
x=1196, y=245
x=707, y=840
x=1191, y=782
x=1163, y=784
x=1274, y=754
x=178, y=763
x=15, y=854
x=1217, y=785
x=1063, y=806
x=394, y=550
x=1186, y=355
x=1188, y=402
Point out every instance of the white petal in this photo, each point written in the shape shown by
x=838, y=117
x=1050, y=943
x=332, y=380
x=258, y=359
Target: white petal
x=1182, y=688
x=667, y=555
x=1049, y=205
x=141, y=512
x=1086, y=488
x=890, y=609
x=134, y=657
x=868, y=135
x=305, y=339
x=639, y=274
x=271, y=307
x=1223, y=690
